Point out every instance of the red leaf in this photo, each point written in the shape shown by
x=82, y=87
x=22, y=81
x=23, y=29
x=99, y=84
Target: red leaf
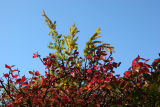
x=6, y=75
x=126, y=74
x=23, y=79
x=15, y=76
x=46, y=73
x=30, y=72
x=134, y=62
x=44, y=59
x=89, y=70
x=35, y=55
x=89, y=57
x=70, y=58
x=6, y=66
x=37, y=73
x=156, y=60
x=14, y=70
x=1, y=86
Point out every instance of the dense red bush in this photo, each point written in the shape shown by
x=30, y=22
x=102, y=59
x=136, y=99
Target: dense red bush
x=71, y=80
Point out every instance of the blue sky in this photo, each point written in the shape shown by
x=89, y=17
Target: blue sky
x=131, y=26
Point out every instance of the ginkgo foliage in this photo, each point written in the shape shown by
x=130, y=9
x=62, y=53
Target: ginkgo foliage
x=74, y=80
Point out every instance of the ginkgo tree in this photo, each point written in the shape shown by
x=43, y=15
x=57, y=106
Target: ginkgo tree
x=74, y=80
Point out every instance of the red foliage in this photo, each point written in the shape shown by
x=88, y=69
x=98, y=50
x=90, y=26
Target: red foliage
x=91, y=84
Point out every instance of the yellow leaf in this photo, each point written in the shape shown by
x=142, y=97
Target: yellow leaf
x=109, y=86
x=146, y=84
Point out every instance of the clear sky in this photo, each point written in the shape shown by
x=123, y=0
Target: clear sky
x=131, y=26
